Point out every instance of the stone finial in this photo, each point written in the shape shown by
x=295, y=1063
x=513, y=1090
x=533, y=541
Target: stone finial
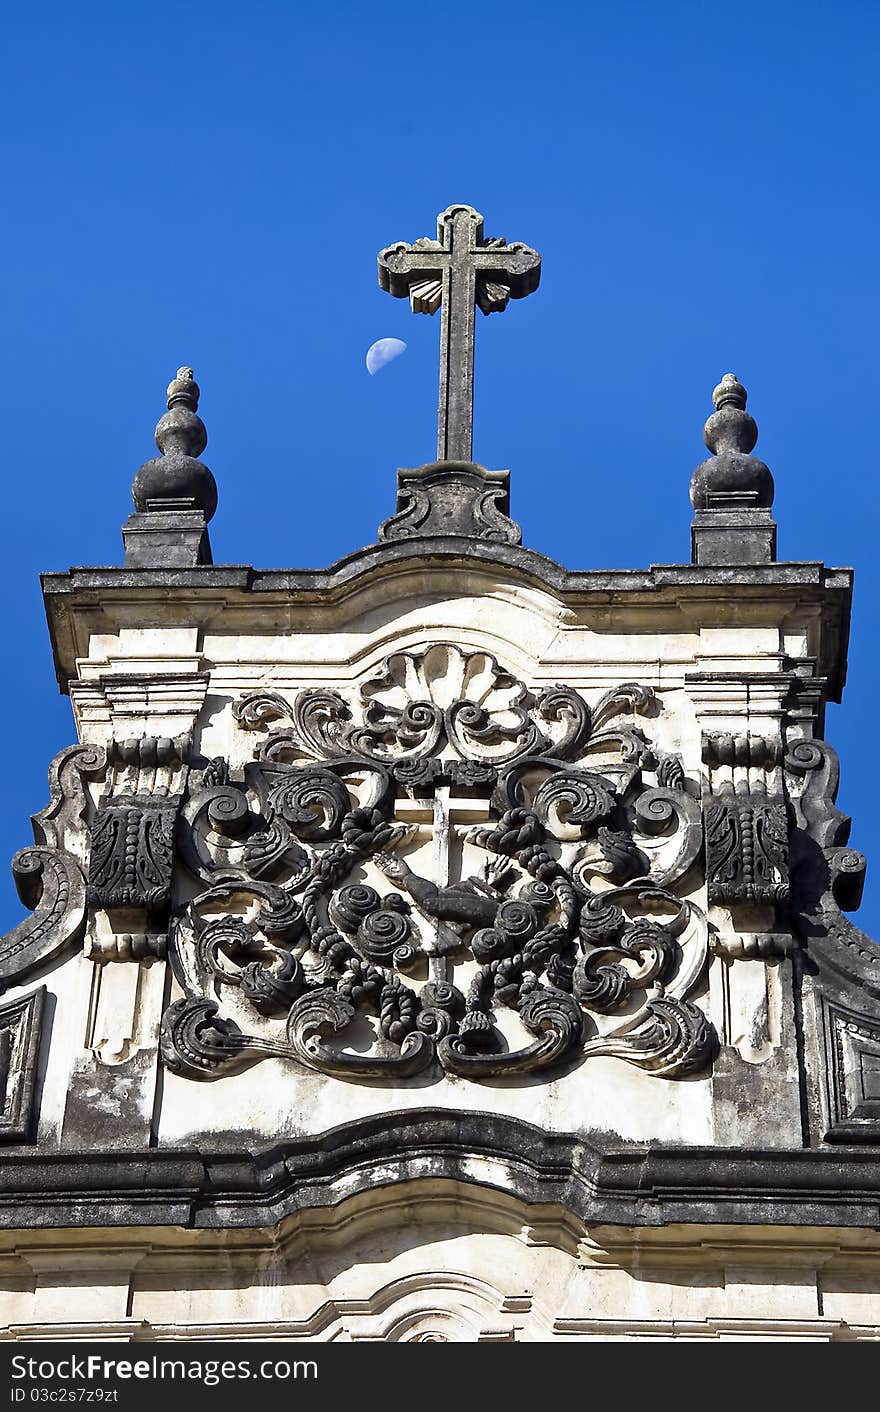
x=177, y=475
x=730, y=428
x=729, y=390
x=180, y=429
x=184, y=388
x=732, y=491
x=174, y=493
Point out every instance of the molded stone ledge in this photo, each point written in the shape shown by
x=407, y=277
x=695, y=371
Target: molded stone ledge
x=84, y=601
x=439, y=548
x=440, y=1257
x=633, y=1186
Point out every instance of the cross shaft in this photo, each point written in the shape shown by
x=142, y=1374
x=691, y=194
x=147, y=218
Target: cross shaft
x=455, y=273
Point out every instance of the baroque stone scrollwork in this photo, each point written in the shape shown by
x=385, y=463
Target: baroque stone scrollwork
x=452, y=498
x=49, y=876
x=118, y=854
x=828, y=876
x=332, y=929
x=746, y=820
x=482, y=712
x=132, y=846
x=843, y=968
x=442, y=870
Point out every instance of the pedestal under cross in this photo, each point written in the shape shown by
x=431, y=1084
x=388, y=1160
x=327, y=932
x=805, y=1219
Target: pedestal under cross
x=455, y=273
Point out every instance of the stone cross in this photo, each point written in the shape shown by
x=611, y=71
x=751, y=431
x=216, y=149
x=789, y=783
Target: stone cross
x=449, y=817
x=454, y=273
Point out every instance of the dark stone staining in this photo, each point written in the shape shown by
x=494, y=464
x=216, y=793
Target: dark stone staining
x=122, y=1120
x=732, y=491
x=175, y=494
x=758, y=1104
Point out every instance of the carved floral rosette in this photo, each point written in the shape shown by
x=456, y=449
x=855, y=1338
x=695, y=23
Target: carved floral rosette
x=314, y=937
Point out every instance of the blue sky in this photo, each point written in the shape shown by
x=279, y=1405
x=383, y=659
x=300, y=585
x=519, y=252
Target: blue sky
x=209, y=184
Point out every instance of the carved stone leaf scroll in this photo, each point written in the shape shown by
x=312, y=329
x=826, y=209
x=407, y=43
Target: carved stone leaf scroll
x=132, y=845
x=746, y=820
x=49, y=877
x=480, y=714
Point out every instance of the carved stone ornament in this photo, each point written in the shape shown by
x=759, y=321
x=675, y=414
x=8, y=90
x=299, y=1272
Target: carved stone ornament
x=452, y=498
x=20, y=1029
x=49, y=876
x=132, y=852
x=844, y=963
x=442, y=869
x=128, y=842
x=746, y=820
x=853, y=1077
x=317, y=937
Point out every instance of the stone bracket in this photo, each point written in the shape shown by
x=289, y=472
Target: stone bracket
x=452, y=498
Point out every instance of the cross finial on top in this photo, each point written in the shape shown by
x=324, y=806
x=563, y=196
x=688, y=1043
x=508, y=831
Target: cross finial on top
x=455, y=273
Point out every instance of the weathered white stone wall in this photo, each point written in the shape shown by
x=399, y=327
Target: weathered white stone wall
x=163, y=677
x=422, y=1261
x=462, y=1265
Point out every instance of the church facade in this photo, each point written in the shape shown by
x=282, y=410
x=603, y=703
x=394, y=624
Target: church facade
x=444, y=945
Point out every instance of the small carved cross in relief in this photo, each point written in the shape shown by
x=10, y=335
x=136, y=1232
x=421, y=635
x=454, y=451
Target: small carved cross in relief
x=450, y=818
x=454, y=273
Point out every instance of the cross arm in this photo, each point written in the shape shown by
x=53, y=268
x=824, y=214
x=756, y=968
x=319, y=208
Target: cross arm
x=517, y=266
x=458, y=273
x=402, y=265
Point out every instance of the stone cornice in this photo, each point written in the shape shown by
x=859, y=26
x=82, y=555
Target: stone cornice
x=589, y=1180
x=98, y=594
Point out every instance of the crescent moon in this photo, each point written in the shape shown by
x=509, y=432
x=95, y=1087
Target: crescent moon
x=383, y=351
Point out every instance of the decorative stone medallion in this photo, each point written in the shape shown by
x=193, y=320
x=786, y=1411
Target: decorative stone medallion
x=332, y=885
